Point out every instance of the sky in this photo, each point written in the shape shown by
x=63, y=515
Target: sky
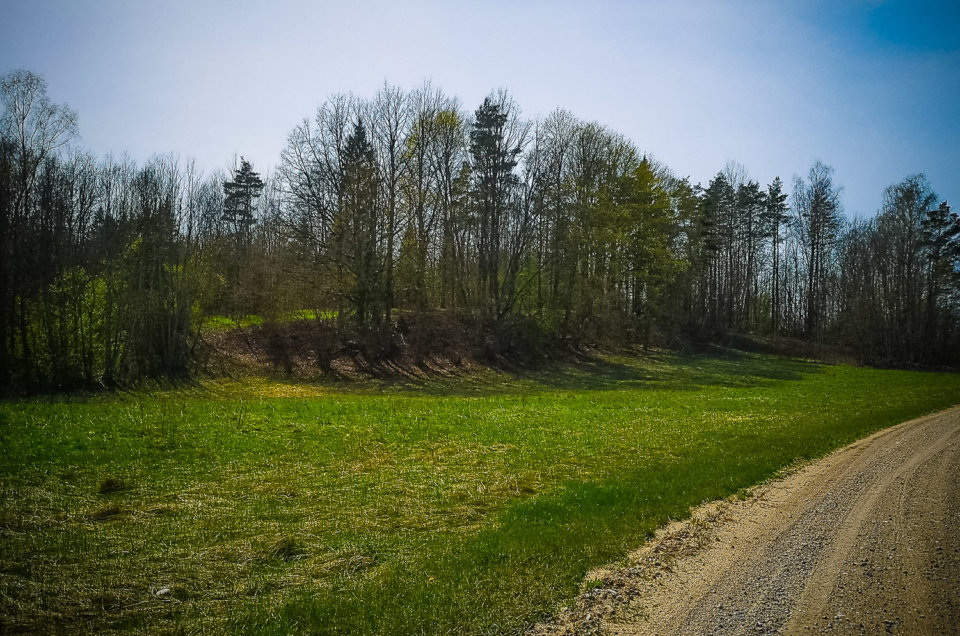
x=870, y=88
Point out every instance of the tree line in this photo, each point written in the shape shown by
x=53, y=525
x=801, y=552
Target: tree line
x=407, y=204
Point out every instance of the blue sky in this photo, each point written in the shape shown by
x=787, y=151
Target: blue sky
x=871, y=88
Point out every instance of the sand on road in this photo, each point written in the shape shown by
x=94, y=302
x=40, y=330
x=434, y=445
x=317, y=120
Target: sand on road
x=863, y=541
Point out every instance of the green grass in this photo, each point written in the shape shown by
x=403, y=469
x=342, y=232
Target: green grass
x=226, y=323
x=462, y=505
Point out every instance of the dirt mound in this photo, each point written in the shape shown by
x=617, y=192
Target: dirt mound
x=414, y=344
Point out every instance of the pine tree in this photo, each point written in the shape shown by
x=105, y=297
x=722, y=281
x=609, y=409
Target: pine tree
x=240, y=195
x=774, y=216
x=359, y=211
x=751, y=204
x=818, y=221
x=495, y=155
x=941, y=245
x=718, y=206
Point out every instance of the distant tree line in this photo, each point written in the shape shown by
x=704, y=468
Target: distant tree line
x=406, y=204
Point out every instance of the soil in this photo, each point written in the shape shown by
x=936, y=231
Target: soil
x=863, y=541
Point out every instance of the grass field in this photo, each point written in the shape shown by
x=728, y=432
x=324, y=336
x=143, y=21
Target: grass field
x=462, y=505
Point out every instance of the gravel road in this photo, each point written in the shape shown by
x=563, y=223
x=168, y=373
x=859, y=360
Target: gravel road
x=864, y=541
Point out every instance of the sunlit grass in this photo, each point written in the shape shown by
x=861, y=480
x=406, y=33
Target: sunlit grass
x=226, y=323
x=459, y=504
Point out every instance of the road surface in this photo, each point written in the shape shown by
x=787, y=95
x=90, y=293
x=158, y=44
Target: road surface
x=864, y=541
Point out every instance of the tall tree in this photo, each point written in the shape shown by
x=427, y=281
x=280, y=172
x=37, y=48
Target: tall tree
x=425, y=175
x=775, y=215
x=550, y=157
x=32, y=130
x=238, y=263
x=719, y=199
x=941, y=243
x=496, y=141
x=449, y=161
x=818, y=221
x=650, y=237
x=312, y=177
x=390, y=117
x=36, y=126
x=906, y=206
x=356, y=230
x=751, y=201
x=240, y=196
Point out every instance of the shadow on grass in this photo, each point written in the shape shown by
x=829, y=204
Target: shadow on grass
x=673, y=372
x=598, y=372
x=582, y=371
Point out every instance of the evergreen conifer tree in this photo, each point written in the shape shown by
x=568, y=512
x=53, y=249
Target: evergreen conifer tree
x=239, y=197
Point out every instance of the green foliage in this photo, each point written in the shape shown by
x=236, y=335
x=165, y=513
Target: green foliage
x=470, y=505
x=68, y=332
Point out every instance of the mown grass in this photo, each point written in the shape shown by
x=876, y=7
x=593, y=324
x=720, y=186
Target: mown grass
x=460, y=505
